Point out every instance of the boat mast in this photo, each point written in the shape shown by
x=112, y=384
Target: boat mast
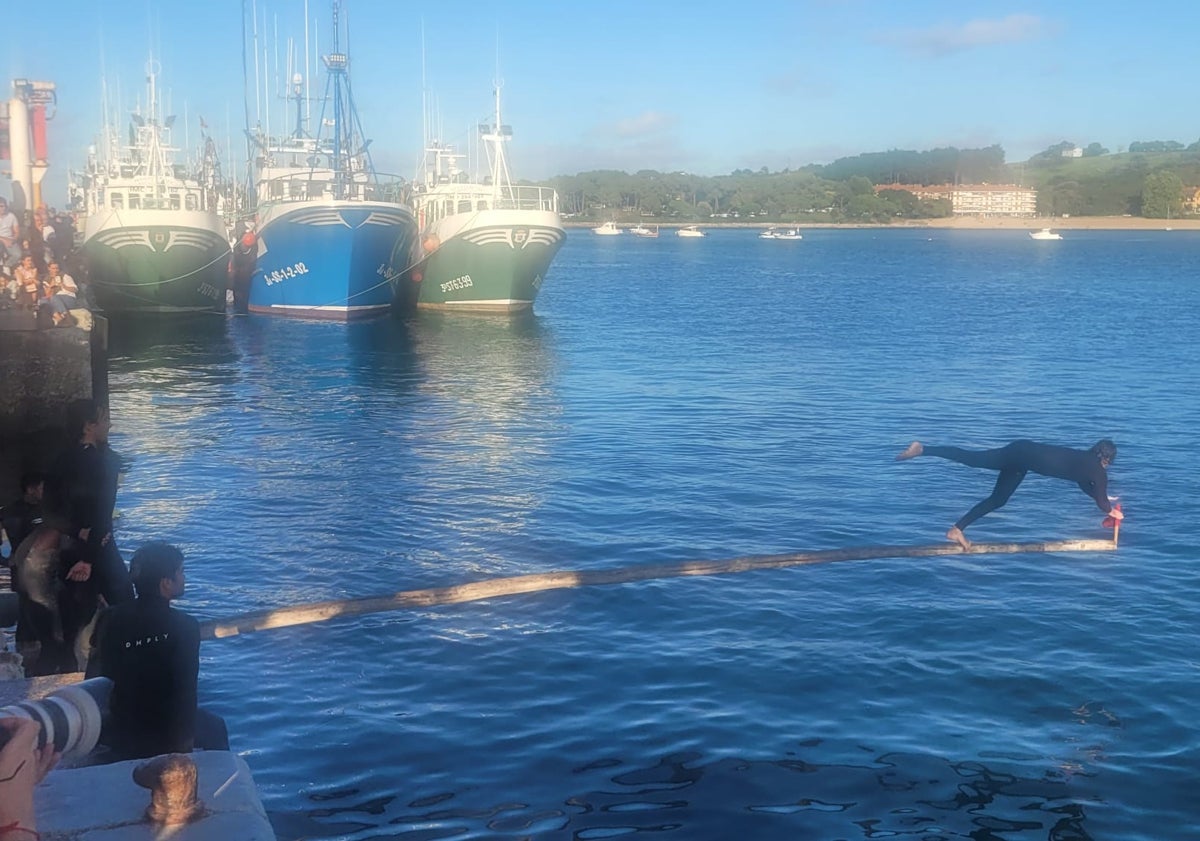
x=496, y=136
x=335, y=65
x=249, y=185
x=149, y=127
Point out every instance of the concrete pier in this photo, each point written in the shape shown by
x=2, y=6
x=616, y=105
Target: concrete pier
x=103, y=803
x=82, y=801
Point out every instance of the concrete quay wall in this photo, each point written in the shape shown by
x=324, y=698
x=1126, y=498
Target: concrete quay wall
x=41, y=371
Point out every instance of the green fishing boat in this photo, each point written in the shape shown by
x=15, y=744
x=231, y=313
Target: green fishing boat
x=154, y=239
x=487, y=244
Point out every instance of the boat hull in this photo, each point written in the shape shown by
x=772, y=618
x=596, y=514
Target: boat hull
x=331, y=260
x=488, y=261
x=156, y=261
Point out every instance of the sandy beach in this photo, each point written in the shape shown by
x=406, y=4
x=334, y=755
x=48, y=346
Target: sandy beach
x=1111, y=223
x=966, y=223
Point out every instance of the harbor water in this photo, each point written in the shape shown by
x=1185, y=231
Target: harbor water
x=676, y=399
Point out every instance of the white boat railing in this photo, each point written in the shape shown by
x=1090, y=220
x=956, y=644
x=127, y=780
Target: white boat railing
x=305, y=185
x=464, y=198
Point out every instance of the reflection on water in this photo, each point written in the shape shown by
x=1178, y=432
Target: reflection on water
x=892, y=795
x=437, y=429
x=169, y=378
x=496, y=366
x=147, y=343
x=484, y=383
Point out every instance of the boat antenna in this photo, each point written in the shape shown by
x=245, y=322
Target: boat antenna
x=335, y=65
x=307, y=68
x=246, y=106
x=257, y=91
x=424, y=164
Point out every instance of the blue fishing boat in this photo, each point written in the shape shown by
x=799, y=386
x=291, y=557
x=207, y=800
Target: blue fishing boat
x=332, y=232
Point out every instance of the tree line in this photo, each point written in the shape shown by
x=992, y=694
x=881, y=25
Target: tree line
x=1154, y=178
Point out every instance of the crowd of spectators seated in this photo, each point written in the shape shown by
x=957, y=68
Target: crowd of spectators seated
x=33, y=265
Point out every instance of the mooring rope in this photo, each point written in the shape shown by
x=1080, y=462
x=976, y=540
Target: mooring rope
x=491, y=588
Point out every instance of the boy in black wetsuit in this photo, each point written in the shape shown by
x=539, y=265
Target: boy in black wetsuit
x=151, y=651
x=1086, y=468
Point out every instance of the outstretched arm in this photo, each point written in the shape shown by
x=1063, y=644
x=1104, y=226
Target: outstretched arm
x=1097, y=488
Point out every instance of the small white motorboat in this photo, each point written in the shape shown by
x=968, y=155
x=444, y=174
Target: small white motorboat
x=1044, y=233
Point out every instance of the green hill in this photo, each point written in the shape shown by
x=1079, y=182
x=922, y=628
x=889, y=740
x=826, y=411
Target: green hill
x=1155, y=180
x=1112, y=185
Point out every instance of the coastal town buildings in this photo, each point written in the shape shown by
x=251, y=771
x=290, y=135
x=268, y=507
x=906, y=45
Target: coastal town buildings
x=1191, y=199
x=976, y=199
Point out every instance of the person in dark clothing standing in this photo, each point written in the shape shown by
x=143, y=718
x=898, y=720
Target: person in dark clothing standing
x=80, y=497
x=83, y=496
x=151, y=652
x=1086, y=468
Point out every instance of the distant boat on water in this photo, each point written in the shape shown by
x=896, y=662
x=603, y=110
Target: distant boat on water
x=781, y=234
x=333, y=235
x=608, y=229
x=690, y=231
x=154, y=240
x=486, y=245
x=1044, y=233
x=644, y=231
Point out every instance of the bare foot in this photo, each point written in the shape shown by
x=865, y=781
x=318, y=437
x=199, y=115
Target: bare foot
x=914, y=450
x=955, y=534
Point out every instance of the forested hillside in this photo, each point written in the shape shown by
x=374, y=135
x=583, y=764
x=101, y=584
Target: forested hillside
x=1155, y=178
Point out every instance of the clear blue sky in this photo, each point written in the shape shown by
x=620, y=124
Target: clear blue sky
x=707, y=86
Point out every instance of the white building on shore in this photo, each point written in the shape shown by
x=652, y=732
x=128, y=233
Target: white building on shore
x=976, y=199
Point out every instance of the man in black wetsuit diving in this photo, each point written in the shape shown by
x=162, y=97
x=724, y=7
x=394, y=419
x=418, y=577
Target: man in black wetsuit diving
x=1086, y=468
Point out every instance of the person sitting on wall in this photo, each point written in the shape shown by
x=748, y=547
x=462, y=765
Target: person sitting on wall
x=36, y=234
x=28, y=282
x=10, y=290
x=64, y=235
x=151, y=652
x=63, y=292
x=10, y=236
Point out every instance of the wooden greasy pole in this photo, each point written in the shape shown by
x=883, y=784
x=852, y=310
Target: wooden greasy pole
x=305, y=614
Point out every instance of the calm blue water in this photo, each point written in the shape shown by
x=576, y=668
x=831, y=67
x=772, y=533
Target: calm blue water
x=694, y=399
